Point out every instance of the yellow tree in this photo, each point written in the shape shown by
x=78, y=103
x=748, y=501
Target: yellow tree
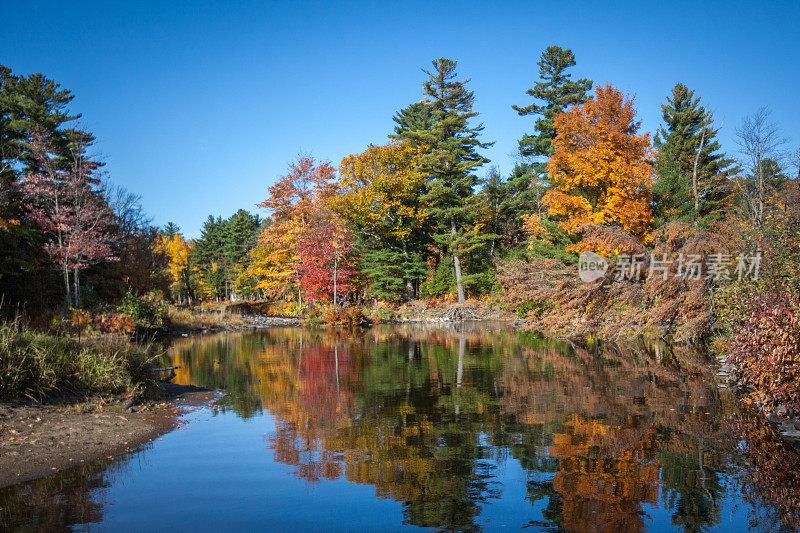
x=379, y=190
x=378, y=196
x=601, y=168
x=177, y=251
x=274, y=259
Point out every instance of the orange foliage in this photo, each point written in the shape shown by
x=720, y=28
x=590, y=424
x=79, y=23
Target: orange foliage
x=600, y=167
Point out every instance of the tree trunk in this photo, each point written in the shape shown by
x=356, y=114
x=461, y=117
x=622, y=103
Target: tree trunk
x=77, y=282
x=335, y=275
x=409, y=284
x=67, y=291
x=457, y=265
x=694, y=176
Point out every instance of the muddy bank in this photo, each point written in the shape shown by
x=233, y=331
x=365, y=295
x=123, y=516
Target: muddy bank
x=39, y=440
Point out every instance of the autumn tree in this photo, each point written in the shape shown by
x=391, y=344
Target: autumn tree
x=325, y=266
x=66, y=204
x=379, y=197
x=601, y=167
x=692, y=182
x=294, y=203
x=449, y=164
x=178, y=251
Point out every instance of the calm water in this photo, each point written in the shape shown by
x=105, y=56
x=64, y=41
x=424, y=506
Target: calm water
x=465, y=429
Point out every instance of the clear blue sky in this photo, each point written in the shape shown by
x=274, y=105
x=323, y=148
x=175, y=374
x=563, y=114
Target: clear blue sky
x=199, y=106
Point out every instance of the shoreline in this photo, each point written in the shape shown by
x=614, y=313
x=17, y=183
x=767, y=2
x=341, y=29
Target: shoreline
x=37, y=440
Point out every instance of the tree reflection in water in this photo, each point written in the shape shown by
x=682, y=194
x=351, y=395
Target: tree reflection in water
x=426, y=415
x=433, y=418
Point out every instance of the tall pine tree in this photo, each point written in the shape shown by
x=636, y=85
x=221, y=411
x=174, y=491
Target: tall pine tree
x=691, y=183
x=555, y=91
x=450, y=164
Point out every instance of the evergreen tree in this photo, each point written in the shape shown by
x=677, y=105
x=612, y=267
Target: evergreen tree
x=417, y=116
x=170, y=229
x=450, y=163
x=556, y=91
x=687, y=126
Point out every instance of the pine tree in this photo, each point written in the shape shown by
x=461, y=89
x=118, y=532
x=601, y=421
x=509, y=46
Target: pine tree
x=556, y=91
x=450, y=163
x=687, y=127
x=417, y=116
x=171, y=229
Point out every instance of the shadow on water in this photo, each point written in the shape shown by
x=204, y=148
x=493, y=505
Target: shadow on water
x=607, y=437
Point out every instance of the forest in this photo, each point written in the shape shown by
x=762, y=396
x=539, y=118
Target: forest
x=422, y=215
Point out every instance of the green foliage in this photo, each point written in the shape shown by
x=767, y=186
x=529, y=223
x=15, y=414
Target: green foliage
x=148, y=313
x=441, y=281
x=535, y=308
x=686, y=124
x=389, y=271
x=557, y=91
x=417, y=116
x=553, y=245
x=450, y=162
x=34, y=365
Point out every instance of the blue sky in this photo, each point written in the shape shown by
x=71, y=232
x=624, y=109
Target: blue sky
x=199, y=106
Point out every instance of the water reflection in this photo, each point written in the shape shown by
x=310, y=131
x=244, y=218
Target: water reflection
x=426, y=417
x=441, y=420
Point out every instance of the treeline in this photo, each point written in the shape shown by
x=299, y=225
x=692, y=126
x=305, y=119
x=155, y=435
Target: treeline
x=412, y=218
x=407, y=218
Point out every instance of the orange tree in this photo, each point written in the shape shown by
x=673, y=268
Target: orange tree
x=601, y=168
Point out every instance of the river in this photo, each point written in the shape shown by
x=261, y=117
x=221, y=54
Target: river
x=469, y=427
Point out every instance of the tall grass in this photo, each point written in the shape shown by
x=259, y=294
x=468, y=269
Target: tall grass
x=35, y=365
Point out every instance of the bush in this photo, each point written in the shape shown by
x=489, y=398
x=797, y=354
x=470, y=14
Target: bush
x=149, y=312
x=347, y=316
x=34, y=365
x=766, y=349
x=441, y=281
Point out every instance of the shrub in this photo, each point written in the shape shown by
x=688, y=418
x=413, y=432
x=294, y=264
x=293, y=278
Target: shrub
x=148, y=313
x=765, y=347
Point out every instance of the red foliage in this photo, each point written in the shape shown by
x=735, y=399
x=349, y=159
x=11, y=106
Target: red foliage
x=325, y=266
x=766, y=349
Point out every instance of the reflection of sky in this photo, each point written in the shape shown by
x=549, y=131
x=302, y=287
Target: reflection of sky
x=219, y=475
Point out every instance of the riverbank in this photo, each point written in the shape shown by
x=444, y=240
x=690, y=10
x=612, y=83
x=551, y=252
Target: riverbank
x=37, y=440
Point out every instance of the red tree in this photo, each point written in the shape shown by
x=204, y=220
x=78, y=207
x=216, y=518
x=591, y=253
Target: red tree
x=325, y=267
x=64, y=200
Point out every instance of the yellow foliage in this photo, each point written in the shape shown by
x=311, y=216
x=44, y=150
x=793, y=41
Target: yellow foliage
x=380, y=190
x=274, y=258
x=177, y=251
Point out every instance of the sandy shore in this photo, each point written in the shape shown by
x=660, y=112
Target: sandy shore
x=39, y=440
